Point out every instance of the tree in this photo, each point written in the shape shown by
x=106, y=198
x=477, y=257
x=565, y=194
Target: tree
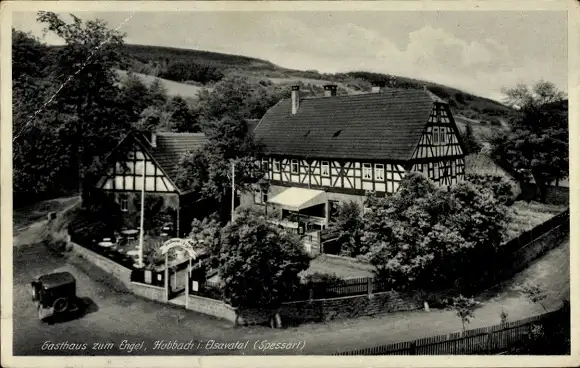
x=154, y=118
x=240, y=97
x=136, y=95
x=349, y=224
x=87, y=85
x=534, y=294
x=260, y=264
x=471, y=143
x=181, y=71
x=157, y=93
x=33, y=127
x=432, y=237
x=537, y=145
x=183, y=118
x=208, y=171
x=464, y=308
x=67, y=106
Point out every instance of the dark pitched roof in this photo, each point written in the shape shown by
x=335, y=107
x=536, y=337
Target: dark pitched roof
x=171, y=147
x=386, y=125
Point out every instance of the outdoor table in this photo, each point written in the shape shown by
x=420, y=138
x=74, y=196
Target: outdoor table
x=106, y=244
x=130, y=234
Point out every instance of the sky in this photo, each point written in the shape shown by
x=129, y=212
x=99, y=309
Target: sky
x=477, y=51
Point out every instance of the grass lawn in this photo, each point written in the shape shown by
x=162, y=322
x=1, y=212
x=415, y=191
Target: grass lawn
x=173, y=88
x=525, y=216
x=344, y=269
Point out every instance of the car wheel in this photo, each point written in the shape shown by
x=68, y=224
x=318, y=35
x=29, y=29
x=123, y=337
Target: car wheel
x=60, y=305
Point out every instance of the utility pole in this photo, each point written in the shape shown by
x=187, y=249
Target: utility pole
x=142, y=215
x=233, y=187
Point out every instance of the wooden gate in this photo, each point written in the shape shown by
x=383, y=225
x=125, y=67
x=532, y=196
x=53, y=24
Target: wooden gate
x=177, y=280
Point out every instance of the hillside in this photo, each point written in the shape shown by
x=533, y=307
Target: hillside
x=173, y=88
x=184, y=71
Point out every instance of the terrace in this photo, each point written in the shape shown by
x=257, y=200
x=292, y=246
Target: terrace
x=122, y=246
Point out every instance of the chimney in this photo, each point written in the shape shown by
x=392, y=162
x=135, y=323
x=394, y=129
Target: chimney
x=153, y=140
x=330, y=90
x=295, y=99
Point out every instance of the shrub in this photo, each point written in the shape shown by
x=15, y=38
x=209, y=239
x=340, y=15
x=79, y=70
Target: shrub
x=260, y=264
x=472, y=145
x=502, y=189
x=152, y=256
x=207, y=232
x=323, y=278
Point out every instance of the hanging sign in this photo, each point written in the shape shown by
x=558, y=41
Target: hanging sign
x=185, y=244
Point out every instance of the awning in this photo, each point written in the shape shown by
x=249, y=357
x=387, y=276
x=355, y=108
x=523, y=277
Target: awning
x=296, y=199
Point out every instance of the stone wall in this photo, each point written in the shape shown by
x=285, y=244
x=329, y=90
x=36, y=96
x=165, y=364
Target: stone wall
x=148, y=291
x=121, y=273
x=320, y=310
x=524, y=256
x=212, y=307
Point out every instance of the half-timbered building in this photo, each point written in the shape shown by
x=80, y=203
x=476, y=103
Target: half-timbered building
x=150, y=163
x=322, y=151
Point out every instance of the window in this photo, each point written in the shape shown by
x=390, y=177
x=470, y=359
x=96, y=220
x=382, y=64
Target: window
x=435, y=135
x=379, y=172
x=276, y=165
x=260, y=197
x=325, y=168
x=265, y=165
x=333, y=209
x=294, y=167
x=442, y=135
x=367, y=172
x=124, y=204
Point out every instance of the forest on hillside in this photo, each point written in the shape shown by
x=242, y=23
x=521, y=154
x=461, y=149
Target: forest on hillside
x=194, y=66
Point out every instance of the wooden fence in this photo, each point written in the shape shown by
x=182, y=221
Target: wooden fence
x=510, y=260
x=529, y=236
x=485, y=340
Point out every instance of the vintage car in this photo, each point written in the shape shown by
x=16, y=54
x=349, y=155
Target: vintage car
x=55, y=294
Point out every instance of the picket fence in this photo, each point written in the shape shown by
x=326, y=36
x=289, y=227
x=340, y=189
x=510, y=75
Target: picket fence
x=485, y=340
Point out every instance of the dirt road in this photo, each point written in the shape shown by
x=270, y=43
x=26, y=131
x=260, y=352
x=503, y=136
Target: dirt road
x=114, y=316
